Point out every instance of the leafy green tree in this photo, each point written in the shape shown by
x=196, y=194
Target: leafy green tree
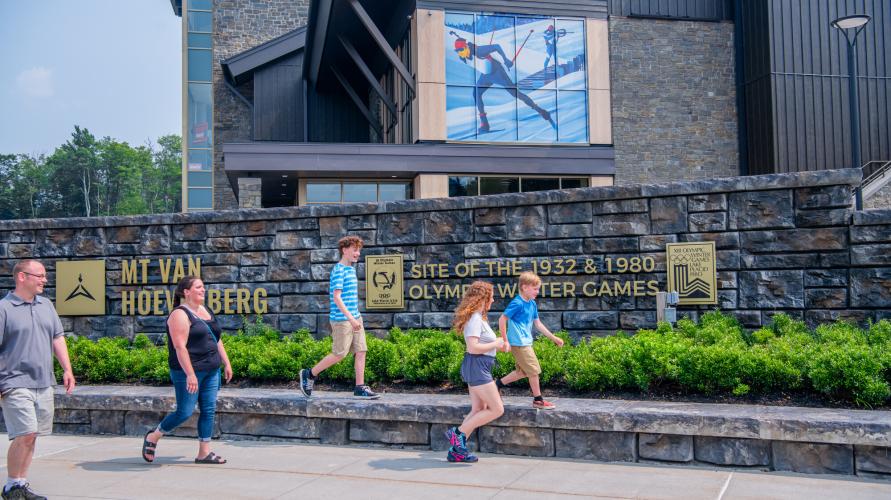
x=74, y=171
x=22, y=178
x=123, y=171
x=166, y=177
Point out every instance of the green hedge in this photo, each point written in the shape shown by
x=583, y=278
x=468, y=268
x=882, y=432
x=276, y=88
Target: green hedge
x=715, y=356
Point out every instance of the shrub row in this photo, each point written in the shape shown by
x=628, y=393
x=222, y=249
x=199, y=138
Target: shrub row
x=715, y=356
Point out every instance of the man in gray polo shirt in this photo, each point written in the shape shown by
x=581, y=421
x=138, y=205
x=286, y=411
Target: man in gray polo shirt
x=30, y=333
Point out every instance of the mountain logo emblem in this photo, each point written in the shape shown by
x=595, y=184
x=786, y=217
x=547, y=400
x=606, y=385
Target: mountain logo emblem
x=80, y=290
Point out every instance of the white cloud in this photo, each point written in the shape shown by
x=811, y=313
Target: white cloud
x=36, y=82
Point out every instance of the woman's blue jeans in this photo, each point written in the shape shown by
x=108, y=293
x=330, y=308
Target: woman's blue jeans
x=206, y=398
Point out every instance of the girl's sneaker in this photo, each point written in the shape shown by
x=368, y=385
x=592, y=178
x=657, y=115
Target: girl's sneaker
x=461, y=455
x=456, y=438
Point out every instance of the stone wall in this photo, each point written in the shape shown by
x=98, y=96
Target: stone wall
x=806, y=440
x=239, y=25
x=673, y=100
x=789, y=243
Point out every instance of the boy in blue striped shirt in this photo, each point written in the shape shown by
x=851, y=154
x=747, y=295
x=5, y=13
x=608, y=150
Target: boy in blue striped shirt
x=347, y=329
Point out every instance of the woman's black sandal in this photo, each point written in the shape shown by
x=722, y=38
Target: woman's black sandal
x=211, y=458
x=148, y=448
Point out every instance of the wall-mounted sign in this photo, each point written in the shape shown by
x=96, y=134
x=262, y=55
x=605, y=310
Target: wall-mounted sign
x=692, y=272
x=80, y=287
x=384, y=288
x=149, y=285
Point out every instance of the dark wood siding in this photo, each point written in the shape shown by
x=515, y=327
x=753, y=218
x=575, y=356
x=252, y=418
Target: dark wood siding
x=808, y=100
x=710, y=10
x=278, y=101
x=577, y=8
x=756, y=86
x=332, y=117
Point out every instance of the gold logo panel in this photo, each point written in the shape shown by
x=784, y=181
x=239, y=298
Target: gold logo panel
x=384, y=286
x=80, y=287
x=692, y=272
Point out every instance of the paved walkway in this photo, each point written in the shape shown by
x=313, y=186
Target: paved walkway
x=110, y=467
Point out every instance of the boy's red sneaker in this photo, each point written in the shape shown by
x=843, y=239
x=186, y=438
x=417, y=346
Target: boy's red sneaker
x=542, y=404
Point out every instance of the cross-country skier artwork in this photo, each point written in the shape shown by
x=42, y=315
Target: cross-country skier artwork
x=515, y=79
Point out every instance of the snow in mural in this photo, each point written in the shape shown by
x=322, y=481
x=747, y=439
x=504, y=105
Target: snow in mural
x=515, y=79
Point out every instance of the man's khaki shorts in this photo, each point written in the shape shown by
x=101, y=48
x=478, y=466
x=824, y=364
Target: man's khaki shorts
x=346, y=340
x=28, y=411
x=527, y=361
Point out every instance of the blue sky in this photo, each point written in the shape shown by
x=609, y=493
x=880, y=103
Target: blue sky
x=112, y=66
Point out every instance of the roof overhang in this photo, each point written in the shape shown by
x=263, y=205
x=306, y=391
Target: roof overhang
x=177, y=6
x=239, y=67
x=408, y=160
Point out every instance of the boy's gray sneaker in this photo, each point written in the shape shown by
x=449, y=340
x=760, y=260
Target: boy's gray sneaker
x=365, y=392
x=306, y=382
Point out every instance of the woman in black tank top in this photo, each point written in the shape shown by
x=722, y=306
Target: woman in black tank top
x=195, y=355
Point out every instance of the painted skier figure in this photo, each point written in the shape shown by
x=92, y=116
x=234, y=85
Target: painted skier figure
x=493, y=72
x=551, y=35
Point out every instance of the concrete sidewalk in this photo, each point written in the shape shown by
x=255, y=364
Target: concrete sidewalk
x=110, y=467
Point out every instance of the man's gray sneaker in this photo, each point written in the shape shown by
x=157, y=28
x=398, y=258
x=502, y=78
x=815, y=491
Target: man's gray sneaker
x=365, y=392
x=21, y=492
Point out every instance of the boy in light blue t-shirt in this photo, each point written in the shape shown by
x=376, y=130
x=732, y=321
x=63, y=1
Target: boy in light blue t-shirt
x=517, y=322
x=347, y=329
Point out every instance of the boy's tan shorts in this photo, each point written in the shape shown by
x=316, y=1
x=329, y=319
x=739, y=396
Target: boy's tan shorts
x=526, y=360
x=346, y=340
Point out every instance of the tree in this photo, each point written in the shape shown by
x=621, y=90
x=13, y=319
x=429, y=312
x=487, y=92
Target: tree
x=167, y=175
x=123, y=170
x=74, y=169
x=22, y=179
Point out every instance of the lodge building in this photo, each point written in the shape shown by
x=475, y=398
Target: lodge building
x=297, y=102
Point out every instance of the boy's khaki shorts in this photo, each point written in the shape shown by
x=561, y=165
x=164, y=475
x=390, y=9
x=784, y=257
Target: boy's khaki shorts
x=526, y=360
x=28, y=411
x=346, y=340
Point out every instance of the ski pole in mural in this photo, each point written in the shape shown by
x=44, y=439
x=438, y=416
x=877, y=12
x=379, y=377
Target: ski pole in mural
x=535, y=69
x=494, y=73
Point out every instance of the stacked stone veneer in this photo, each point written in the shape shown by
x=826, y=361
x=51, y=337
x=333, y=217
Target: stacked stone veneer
x=673, y=100
x=809, y=440
x=789, y=243
x=250, y=191
x=239, y=25
x=879, y=199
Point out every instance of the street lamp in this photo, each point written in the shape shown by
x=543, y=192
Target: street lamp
x=851, y=26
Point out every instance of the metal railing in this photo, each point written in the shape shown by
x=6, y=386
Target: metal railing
x=875, y=175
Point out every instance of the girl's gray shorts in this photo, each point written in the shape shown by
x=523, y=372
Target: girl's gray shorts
x=476, y=369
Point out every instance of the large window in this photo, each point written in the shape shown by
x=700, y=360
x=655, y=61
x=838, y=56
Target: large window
x=198, y=143
x=491, y=184
x=337, y=192
x=515, y=79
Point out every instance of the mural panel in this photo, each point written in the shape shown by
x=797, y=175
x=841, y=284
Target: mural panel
x=515, y=79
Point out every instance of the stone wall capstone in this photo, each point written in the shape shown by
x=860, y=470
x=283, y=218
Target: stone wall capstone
x=787, y=243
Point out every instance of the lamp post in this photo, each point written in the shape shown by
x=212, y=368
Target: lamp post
x=851, y=26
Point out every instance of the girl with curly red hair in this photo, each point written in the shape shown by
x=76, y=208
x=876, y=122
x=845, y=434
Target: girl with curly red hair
x=476, y=369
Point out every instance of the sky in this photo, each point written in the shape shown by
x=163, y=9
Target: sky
x=112, y=66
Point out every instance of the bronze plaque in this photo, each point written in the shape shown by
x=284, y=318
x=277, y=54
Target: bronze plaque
x=80, y=287
x=692, y=272
x=383, y=282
